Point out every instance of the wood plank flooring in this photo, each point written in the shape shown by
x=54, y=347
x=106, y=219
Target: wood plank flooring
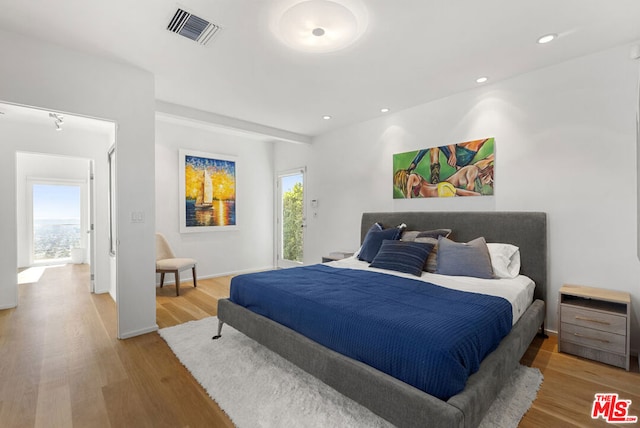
x=61, y=365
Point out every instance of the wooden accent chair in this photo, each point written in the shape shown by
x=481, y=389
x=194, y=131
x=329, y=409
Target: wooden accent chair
x=167, y=262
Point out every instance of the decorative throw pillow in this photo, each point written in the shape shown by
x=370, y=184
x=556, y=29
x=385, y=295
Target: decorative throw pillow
x=505, y=260
x=402, y=256
x=464, y=259
x=431, y=237
x=373, y=241
x=411, y=235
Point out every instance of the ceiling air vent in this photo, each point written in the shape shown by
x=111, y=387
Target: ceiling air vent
x=192, y=27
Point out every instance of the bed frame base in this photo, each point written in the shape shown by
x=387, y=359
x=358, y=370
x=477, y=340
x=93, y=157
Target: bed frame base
x=393, y=400
x=396, y=401
x=219, y=335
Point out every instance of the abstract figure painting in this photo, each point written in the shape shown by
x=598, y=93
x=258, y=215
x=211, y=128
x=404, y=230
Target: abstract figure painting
x=207, y=192
x=463, y=169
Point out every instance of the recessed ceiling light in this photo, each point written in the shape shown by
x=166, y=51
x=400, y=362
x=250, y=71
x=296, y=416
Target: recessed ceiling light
x=482, y=79
x=326, y=117
x=547, y=38
x=384, y=110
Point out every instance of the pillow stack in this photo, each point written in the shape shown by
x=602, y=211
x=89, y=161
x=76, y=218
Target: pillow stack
x=432, y=251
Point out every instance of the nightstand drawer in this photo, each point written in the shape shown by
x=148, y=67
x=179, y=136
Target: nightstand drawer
x=593, y=338
x=594, y=319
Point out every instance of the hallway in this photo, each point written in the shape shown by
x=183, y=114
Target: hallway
x=62, y=365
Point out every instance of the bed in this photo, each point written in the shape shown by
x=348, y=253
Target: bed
x=398, y=401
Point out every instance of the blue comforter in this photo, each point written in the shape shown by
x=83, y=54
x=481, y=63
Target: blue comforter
x=428, y=336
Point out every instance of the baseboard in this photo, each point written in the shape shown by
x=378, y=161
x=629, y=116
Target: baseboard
x=9, y=306
x=142, y=331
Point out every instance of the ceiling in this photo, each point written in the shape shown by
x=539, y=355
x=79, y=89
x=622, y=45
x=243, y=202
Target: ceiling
x=412, y=51
x=27, y=115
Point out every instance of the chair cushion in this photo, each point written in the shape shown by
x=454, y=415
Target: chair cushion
x=175, y=264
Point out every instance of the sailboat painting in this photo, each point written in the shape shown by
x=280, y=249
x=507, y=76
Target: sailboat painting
x=207, y=192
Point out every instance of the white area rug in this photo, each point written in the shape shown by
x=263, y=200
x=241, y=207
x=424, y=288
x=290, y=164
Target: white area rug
x=258, y=388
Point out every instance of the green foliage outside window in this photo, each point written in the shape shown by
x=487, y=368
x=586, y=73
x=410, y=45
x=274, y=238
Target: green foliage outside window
x=292, y=202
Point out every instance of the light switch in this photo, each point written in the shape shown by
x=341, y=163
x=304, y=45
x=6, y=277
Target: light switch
x=137, y=217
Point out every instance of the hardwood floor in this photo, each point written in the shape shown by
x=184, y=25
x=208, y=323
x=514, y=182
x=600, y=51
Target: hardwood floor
x=61, y=365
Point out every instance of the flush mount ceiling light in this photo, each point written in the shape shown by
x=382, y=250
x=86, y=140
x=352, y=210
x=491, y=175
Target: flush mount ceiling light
x=482, y=79
x=320, y=25
x=326, y=117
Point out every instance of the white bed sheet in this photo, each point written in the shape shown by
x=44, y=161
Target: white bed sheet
x=518, y=291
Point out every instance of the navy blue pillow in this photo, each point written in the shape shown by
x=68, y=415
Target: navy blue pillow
x=373, y=241
x=402, y=256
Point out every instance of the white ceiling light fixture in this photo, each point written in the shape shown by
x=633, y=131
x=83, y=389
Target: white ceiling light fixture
x=320, y=25
x=547, y=38
x=482, y=79
x=326, y=117
x=58, y=120
x=384, y=110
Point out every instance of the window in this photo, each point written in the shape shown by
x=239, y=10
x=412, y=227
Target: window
x=291, y=218
x=56, y=221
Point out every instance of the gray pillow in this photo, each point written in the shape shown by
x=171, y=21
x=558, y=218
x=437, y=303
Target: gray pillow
x=464, y=259
x=431, y=237
x=411, y=235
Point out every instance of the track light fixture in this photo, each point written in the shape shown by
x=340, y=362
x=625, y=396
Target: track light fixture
x=58, y=120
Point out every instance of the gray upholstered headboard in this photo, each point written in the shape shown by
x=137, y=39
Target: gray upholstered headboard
x=527, y=230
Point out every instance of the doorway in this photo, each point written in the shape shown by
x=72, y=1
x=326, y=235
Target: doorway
x=290, y=218
x=62, y=187
x=57, y=221
x=54, y=213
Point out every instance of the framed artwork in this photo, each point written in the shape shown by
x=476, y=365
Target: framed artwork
x=207, y=192
x=463, y=169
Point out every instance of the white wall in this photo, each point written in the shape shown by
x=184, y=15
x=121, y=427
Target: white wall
x=40, y=74
x=565, y=145
x=250, y=247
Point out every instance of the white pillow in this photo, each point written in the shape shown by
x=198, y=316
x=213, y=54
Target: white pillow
x=505, y=260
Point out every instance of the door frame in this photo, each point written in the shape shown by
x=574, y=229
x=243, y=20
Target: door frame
x=279, y=262
x=84, y=214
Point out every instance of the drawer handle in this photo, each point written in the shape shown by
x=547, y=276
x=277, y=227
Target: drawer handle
x=593, y=320
x=591, y=338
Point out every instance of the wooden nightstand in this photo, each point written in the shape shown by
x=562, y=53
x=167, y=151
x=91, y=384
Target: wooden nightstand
x=595, y=323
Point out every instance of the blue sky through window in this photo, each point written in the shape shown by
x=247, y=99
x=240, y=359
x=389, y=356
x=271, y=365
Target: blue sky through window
x=289, y=181
x=56, y=202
